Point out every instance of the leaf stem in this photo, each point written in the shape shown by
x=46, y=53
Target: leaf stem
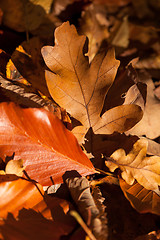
x=83, y=224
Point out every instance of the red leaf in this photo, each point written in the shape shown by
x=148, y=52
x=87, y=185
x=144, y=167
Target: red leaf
x=42, y=141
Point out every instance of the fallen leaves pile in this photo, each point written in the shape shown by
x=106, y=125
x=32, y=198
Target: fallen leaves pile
x=79, y=120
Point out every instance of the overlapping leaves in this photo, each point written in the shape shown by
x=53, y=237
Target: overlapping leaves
x=81, y=88
x=136, y=165
x=38, y=137
x=24, y=208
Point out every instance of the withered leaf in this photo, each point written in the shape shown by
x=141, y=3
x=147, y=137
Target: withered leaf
x=113, y=3
x=149, y=125
x=23, y=15
x=80, y=88
x=19, y=197
x=29, y=62
x=94, y=25
x=154, y=235
x=15, y=167
x=26, y=96
x=105, y=145
x=141, y=199
x=42, y=141
x=136, y=165
x=125, y=78
x=80, y=191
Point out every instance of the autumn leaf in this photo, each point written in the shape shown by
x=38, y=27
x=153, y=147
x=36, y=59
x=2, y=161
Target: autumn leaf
x=21, y=16
x=141, y=199
x=90, y=208
x=30, y=225
x=121, y=38
x=105, y=145
x=15, y=167
x=124, y=80
x=38, y=137
x=19, y=197
x=149, y=125
x=154, y=235
x=12, y=196
x=135, y=165
x=94, y=25
x=112, y=3
x=81, y=88
x=30, y=64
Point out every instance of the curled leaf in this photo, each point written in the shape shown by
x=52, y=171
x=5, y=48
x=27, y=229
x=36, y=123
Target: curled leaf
x=90, y=208
x=141, y=199
x=15, y=167
x=24, y=208
x=135, y=165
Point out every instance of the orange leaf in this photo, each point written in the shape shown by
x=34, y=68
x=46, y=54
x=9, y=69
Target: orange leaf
x=17, y=193
x=24, y=208
x=42, y=141
x=141, y=199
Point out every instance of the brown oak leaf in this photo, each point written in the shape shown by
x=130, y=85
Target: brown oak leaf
x=80, y=87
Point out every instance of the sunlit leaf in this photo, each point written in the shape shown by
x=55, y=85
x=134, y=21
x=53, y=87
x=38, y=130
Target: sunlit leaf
x=141, y=199
x=24, y=208
x=81, y=88
x=38, y=137
x=136, y=165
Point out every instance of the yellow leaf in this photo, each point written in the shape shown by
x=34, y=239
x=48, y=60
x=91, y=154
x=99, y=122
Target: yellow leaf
x=15, y=167
x=135, y=165
x=11, y=70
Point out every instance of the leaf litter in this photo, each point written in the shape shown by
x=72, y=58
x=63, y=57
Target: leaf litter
x=110, y=102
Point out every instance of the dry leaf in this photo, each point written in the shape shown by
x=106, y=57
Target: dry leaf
x=117, y=92
x=99, y=201
x=25, y=96
x=141, y=199
x=157, y=92
x=31, y=225
x=24, y=16
x=19, y=197
x=94, y=25
x=30, y=63
x=15, y=167
x=80, y=88
x=144, y=34
x=153, y=62
x=15, y=16
x=19, y=193
x=105, y=145
x=136, y=94
x=135, y=165
x=149, y=125
x=61, y=5
x=142, y=9
x=4, y=58
x=80, y=192
x=121, y=39
x=42, y=141
x=46, y=4
x=154, y=235
x=153, y=147
x=113, y=3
